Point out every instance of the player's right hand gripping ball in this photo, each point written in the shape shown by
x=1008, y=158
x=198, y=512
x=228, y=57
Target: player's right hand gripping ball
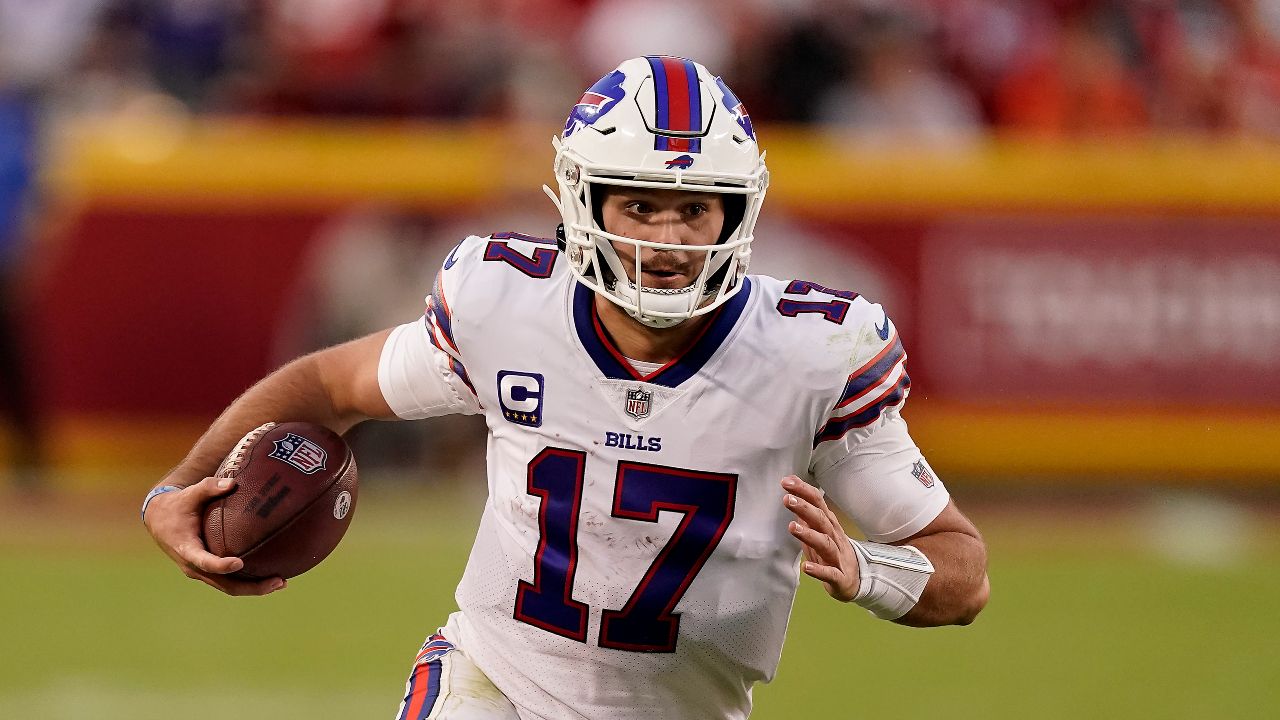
x=294, y=498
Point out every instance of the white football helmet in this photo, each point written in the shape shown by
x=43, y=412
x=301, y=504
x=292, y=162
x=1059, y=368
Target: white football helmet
x=667, y=123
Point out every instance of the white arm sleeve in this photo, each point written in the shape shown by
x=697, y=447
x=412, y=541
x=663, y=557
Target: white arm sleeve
x=417, y=379
x=881, y=480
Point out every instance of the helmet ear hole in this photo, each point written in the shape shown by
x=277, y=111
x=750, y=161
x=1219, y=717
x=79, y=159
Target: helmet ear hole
x=735, y=208
x=598, y=193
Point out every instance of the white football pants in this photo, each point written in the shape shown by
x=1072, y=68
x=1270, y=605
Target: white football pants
x=446, y=685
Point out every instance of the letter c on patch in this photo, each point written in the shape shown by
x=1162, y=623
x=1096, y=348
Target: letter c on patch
x=520, y=395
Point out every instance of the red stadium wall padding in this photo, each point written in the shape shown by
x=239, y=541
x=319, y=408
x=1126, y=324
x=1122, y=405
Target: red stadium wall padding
x=164, y=313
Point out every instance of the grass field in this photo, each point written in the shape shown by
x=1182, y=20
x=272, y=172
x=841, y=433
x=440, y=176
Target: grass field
x=1086, y=621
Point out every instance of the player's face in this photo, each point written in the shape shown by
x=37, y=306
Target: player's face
x=677, y=217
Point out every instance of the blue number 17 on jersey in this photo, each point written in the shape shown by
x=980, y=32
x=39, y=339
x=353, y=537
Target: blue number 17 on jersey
x=646, y=623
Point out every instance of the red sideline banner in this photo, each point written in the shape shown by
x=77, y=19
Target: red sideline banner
x=1119, y=311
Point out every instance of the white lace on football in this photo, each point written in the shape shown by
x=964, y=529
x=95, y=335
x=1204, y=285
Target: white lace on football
x=231, y=464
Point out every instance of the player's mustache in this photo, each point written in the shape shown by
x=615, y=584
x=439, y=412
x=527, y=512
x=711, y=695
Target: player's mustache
x=663, y=262
x=676, y=268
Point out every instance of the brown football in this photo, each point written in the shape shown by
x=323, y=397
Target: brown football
x=295, y=494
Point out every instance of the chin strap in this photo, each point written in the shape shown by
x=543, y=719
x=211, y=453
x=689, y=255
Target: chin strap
x=653, y=322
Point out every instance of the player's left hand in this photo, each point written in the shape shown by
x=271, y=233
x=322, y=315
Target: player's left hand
x=828, y=555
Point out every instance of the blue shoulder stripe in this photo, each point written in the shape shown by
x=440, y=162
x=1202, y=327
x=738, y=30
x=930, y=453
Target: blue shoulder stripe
x=461, y=372
x=839, y=427
x=439, y=310
x=454, y=364
x=873, y=372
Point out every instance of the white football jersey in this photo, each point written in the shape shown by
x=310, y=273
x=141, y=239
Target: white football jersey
x=633, y=559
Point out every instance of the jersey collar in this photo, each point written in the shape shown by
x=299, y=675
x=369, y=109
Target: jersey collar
x=613, y=365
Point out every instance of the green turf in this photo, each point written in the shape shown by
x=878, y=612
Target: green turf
x=97, y=625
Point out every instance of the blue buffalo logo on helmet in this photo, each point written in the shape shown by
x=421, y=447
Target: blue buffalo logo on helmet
x=684, y=162
x=598, y=100
x=736, y=108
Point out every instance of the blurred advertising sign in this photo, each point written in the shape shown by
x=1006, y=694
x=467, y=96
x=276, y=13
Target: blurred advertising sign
x=1152, y=311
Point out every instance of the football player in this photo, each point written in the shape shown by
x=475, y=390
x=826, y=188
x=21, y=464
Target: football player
x=666, y=433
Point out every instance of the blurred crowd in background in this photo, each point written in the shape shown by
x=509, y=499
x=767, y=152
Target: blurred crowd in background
x=921, y=68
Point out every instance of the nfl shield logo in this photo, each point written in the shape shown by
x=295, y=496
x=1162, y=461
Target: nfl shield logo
x=300, y=453
x=921, y=471
x=638, y=401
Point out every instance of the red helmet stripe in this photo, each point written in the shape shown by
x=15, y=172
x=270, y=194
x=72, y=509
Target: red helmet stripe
x=677, y=94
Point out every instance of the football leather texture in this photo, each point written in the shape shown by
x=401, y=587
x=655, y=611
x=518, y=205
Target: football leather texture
x=295, y=495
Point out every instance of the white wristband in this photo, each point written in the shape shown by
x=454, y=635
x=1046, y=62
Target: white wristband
x=891, y=578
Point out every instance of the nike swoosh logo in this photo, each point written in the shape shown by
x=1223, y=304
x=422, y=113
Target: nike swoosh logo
x=883, y=332
x=453, y=257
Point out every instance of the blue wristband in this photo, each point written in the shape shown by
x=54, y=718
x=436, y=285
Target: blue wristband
x=152, y=495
